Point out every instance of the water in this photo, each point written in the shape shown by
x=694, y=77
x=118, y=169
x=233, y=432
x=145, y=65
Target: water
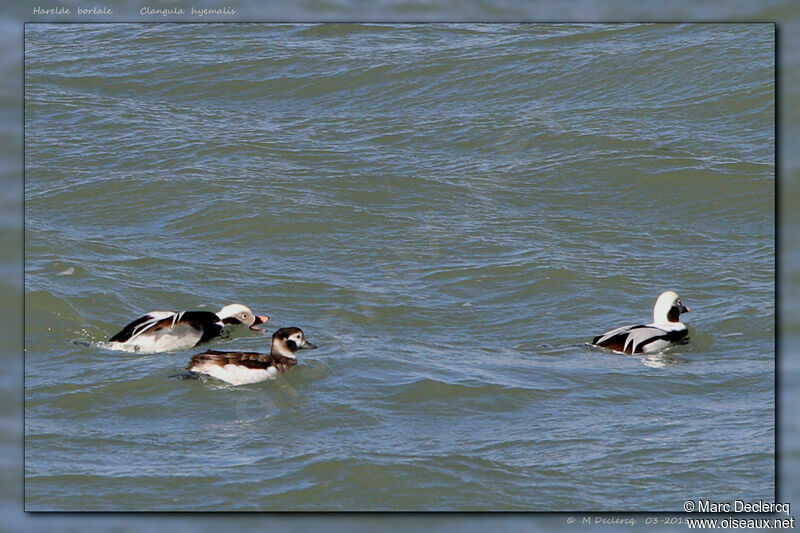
x=450, y=212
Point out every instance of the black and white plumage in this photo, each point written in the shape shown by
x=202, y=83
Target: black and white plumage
x=168, y=331
x=240, y=368
x=665, y=331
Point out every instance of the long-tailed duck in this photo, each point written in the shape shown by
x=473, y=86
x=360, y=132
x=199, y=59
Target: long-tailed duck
x=665, y=331
x=240, y=368
x=166, y=331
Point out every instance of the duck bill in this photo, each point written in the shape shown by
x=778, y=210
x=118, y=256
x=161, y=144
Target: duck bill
x=259, y=320
x=684, y=309
x=308, y=346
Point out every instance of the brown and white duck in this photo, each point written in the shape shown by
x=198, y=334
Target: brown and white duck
x=240, y=368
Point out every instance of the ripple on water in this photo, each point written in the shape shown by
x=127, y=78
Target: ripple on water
x=450, y=212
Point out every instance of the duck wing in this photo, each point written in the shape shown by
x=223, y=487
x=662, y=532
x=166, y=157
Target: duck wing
x=633, y=339
x=203, y=321
x=245, y=359
x=144, y=323
x=613, y=336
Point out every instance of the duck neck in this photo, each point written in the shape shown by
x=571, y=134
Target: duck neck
x=280, y=348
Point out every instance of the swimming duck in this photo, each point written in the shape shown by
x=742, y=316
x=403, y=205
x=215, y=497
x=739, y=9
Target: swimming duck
x=665, y=331
x=167, y=331
x=240, y=368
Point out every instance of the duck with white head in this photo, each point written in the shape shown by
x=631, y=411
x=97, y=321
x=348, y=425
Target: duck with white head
x=665, y=331
x=169, y=331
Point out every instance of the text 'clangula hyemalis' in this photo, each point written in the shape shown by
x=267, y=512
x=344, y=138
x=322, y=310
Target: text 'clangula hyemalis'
x=665, y=331
x=169, y=331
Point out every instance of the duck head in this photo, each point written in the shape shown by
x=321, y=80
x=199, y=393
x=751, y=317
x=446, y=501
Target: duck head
x=668, y=308
x=286, y=341
x=238, y=314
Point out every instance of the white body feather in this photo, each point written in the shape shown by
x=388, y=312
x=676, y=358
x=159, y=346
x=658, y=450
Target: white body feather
x=236, y=374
